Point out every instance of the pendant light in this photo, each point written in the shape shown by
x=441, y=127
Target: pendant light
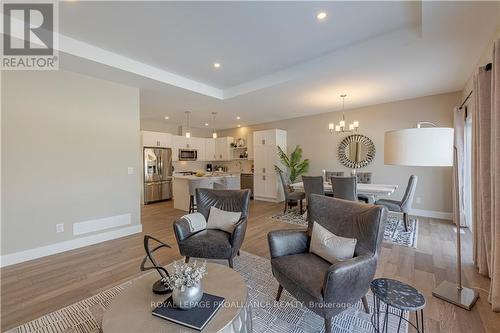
x=341, y=127
x=214, y=133
x=188, y=129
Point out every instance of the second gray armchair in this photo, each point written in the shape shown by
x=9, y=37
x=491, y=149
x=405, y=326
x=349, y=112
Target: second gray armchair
x=329, y=288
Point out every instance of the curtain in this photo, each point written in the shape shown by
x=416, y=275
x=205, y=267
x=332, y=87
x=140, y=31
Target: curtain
x=459, y=125
x=486, y=174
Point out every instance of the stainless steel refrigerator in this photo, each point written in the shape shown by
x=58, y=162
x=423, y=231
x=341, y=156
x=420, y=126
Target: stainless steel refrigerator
x=157, y=174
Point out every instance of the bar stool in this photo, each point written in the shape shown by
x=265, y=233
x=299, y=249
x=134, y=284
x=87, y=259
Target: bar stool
x=193, y=185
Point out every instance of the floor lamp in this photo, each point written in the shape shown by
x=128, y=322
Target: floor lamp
x=432, y=146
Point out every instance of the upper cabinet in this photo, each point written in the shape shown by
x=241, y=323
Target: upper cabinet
x=250, y=146
x=223, y=150
x=208, y=149
x=156, y=139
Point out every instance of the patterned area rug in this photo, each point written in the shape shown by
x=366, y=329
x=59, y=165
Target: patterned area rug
x=394, y=227
x=268, y=316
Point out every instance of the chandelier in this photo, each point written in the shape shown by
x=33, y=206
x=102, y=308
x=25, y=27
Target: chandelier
x=341, y=127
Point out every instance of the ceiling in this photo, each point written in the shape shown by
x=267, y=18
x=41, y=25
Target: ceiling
x=277, y=60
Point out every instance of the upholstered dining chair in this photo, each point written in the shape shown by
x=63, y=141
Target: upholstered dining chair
x=313, y=185
x=290, y=195
x=214, y=243
x=344, y=188
x=403, y=205
x=330, y=174
x=329, y=288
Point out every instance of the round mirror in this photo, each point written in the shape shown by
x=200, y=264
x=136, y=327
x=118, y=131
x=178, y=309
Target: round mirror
x=356, y=151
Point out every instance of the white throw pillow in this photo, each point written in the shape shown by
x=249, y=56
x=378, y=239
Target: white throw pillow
x=329, y=246
x=222, y=220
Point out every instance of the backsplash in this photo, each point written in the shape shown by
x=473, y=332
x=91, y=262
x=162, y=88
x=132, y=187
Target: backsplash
x=232, y=166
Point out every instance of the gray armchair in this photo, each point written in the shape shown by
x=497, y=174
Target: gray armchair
x=403, y=205
x=328, y=289
x=212, y=243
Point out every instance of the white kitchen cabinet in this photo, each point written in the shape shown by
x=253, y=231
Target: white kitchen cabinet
x=250, y=146
x=223, y=150
x=156, y=139
x=267, y=184
x=199, y=145
x=210, y=150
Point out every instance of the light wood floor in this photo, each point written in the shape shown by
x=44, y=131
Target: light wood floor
x=35, y=288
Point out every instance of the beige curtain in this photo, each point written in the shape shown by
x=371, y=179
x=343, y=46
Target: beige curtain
x=459, y=125
x=486, y=174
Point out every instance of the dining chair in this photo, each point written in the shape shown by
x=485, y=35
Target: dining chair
x=344, y=188
x=290, y=195
x=330, y=174
x=365, y=178
x=404, y=205
x=313, y=185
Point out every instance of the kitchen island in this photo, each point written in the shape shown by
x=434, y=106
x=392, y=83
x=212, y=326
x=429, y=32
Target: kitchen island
x=183, y=183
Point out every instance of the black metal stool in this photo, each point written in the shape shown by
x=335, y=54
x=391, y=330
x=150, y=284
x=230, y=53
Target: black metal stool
x=401, y=297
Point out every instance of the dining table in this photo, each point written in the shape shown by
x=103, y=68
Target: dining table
x=374, y=190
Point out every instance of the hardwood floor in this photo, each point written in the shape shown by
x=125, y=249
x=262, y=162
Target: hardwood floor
x=35, y=288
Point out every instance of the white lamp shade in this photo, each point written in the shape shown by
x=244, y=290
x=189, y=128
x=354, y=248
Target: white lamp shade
x=430, y=146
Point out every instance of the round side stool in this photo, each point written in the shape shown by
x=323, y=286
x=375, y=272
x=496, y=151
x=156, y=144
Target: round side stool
x=400, y=296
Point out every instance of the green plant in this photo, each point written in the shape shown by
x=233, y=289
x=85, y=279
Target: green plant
x=294, y=164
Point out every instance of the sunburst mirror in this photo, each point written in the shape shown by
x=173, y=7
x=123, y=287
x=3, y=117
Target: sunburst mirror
x=356, y=151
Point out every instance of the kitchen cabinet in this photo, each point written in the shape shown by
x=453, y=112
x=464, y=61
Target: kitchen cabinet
x=223, y=150
x=210, y=150
x=156, y=139
x=250, y=146
x=267, y=184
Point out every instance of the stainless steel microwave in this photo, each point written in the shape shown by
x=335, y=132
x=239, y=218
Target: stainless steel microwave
x=188, y=154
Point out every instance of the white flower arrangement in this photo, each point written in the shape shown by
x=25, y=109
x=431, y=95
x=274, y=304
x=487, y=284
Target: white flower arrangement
x=185, y=275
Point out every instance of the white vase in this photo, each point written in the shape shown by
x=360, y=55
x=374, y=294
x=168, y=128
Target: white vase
x=187, y=298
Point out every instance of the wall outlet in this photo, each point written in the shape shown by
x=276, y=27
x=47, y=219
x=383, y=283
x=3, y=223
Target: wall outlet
x=130, y=170
x=59, y=227
x=418, y=200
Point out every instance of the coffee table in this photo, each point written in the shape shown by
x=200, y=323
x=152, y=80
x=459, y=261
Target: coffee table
x=130, y=311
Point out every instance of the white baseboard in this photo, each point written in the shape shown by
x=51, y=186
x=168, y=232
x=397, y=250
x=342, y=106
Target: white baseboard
x=432, y=214
x=267, y=199
x=43, y=251
x=86, y=227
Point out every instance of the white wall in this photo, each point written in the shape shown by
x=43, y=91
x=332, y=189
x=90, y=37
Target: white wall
x=67, y=143
x=311, y=133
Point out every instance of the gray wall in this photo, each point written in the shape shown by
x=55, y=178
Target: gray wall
x=67, y=143
x=311, y=133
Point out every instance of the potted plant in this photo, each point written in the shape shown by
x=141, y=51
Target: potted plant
x=294, y=164
x=186, y=285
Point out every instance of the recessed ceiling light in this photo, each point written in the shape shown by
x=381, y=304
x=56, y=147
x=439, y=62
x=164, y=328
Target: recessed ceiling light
x=206, y=124
x=166, y=117
x=238, y=117
x=321, y=16
x=216, y=65
x=239, y=125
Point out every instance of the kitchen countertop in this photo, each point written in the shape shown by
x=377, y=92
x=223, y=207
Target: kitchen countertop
x=193, y=177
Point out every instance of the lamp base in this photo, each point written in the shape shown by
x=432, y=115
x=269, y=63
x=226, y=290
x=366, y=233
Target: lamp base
x=449, y=292
x=160, y=289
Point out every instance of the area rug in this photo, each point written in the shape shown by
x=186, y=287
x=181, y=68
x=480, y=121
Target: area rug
x=394, y=232
x=267, y=316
